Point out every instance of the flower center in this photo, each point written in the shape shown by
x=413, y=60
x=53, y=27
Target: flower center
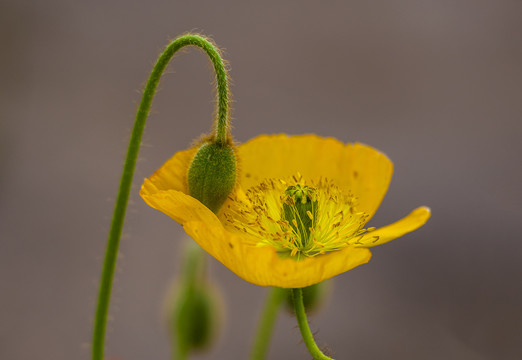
x=298, y=218
x=300, y=210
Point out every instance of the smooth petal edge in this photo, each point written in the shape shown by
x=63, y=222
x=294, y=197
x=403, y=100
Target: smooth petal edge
x=172, y=175
x=409, y=223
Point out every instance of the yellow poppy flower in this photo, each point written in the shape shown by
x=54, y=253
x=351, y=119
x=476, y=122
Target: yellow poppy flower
x=296, y=216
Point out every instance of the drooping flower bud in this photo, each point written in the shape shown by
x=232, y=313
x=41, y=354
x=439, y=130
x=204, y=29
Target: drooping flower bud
x=212, y=174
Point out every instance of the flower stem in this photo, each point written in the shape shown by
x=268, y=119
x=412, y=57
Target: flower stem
x=307, y=335
x=266, y=323
x=180, y=352
x=120, y=207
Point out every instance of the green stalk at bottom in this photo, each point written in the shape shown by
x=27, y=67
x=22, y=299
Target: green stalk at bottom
x=307, y=335
x=266, y=323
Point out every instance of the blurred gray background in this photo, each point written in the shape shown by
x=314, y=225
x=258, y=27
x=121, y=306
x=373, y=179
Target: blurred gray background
x=436, y=85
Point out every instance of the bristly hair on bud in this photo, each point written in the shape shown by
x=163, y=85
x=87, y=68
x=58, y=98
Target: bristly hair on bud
x=212, y=174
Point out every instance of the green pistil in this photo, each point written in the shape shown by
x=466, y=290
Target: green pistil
x=300, y=210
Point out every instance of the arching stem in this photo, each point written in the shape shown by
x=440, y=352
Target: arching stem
x=120, y=207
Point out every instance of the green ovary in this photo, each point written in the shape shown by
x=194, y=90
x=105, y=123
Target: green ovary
x=300, y=210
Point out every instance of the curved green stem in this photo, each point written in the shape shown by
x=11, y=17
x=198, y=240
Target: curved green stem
x=120, y=207
x=266, y=323
x=307, y=335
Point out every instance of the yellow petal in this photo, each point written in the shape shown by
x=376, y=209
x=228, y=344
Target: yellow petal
x=258, y=265
x=173, y=173
x=357, y=168
x=413, y=221
x=177, y=205
x=262, y=266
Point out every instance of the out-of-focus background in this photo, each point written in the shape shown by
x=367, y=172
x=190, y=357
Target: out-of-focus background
x=436, y=85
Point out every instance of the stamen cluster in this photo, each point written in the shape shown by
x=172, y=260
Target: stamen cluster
x=297, y=217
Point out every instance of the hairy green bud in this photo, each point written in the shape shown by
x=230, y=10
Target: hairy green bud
x=212, y=174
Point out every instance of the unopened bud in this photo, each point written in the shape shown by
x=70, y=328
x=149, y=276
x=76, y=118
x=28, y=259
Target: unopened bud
x=212, y=174
x=194, y=318
x=194, y=314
